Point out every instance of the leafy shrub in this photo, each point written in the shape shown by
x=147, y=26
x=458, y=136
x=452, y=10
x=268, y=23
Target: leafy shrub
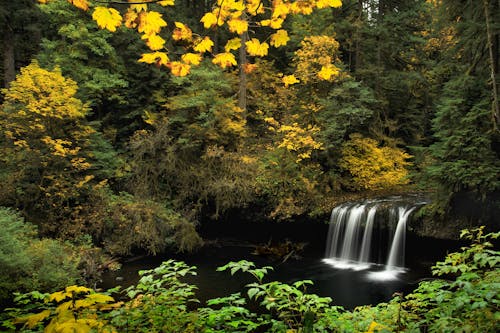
x=28, y=263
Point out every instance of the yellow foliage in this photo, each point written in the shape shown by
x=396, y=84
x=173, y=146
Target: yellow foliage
x=33, y=319
x=179, y=69
x=328, y=72
x=182, y=32
x=317, y=54
x=191, y=58
x=373, y=167
x=204, y=45
x=107, y=18
x=82, y=4
x=154, y=42
x=233, y=44
x=237, y=25
x=150, y=22
x=224, y=60
x=166, y=3
x=256, y=48
x=209, y=20
x=159, y=58
x=279, y=38
x=289, y=80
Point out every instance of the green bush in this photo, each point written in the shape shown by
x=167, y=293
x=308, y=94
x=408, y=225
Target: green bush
x=29, y=263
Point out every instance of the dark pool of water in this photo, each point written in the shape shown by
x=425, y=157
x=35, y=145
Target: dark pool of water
x=347, y=287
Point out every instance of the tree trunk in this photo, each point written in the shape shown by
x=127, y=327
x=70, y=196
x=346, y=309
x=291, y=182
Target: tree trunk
x=492, y=61
x=9, y=69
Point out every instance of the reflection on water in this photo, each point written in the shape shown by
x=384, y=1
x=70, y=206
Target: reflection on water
x=347, y=287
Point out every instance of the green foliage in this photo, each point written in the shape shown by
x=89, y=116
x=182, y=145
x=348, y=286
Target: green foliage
x=28, y=263
x=162, y=302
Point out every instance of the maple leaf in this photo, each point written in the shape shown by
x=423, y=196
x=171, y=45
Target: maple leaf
x=166, y=3
x=279, y=38
x=274, y=23
x=328, y=71
x=249, y=68
x=209, y=20
x=139, y=7
x=191, y=58
x=179, y=69
x=255, y=7
x=159, y=58
x=205, y=45
x=301, y=7
x=182, y=32
x=154, y=42
x=107, y=18
x=130, y=19
x=237, y=25
x=150, y=23
x=233, y=44
x=289, y=80
x=280, y=10
x=328, y=3
x=82, y=4
x=256, y=48
x=224, y=60
x=232, y=5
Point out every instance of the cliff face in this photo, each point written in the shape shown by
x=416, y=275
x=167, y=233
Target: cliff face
x=467, y=210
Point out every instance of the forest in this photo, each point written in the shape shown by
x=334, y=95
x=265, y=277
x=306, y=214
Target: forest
x=126, y=127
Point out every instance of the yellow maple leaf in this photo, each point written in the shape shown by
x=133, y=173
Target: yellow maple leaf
x=205, y=45
x=237, y=25
x=254, y=7
x=179, y=69
x=191, y=58
x=209, y=20
x=107, y=18
x=154, y=42
x=280, y=9
x=279, y=38
x=139, y=7
x=328, y=3
x=274, y=23
x=224, y=60
x=233, y=44
x=328, y=71
x=233, y=5
x=256, y=48
x=166, y=3
x=289, y=80
x=82, y=4
x=150, y=22
x=159, y=58
x=182, y=32
x=130, y=19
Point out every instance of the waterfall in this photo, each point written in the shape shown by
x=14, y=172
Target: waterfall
x=359, y=233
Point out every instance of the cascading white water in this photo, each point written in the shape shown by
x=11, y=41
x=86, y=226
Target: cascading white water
x=352, y=238
x=396, y=256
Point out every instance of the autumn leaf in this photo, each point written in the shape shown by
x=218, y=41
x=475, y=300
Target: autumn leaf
x=233, y=5
x=328, y=3
x=224, y=60
x=154, y=42
x=82, y=4
x=249, y=68
x=130, y=19
x=139, y=7
x=159, y=58
x=179, y=69
x=255, y=7
x=328, y=71
x=107, y=18
x=237, y=26
x=256, y=48
x=279, y=38
x=181, y=32
x=289, y=80
x=209, y=20
x=150, y=23
x=166, y=3
x=233, y=44
x=280, y=10
x=33, y=319
x=191, y=58
x=274, y=23
x=204, y=45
